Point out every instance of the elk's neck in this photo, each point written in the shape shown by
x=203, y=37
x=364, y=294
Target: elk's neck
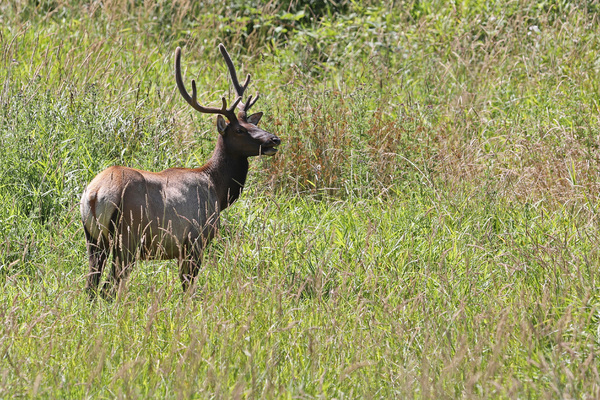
x=228, y=173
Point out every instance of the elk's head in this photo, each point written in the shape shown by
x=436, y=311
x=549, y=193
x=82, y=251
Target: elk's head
x=241, y=134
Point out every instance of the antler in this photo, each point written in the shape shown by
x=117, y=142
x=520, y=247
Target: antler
x=192, y=100
x=239, y=89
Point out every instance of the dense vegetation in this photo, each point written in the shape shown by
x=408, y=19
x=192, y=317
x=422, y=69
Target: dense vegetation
x=428, y=229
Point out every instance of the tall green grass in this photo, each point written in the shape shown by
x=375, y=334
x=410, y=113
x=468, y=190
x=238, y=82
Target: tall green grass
x=429, y=228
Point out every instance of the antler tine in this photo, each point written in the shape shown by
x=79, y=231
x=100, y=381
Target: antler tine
x=192, y=100
x=250, y=102
x=233, y=106
x=239, y=89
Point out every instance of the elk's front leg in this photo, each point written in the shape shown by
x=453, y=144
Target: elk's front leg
x=192, y=250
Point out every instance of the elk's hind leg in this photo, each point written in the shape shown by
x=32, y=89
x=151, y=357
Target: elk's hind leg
x=188, y=272
x=122, y=264
x=124, y=256
x=98, y=250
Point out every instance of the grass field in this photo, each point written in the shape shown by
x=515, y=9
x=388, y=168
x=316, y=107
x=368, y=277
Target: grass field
x=428, y=229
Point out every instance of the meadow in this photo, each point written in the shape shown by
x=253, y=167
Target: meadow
x=429, y=228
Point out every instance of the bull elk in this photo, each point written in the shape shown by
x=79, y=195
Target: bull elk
x=133, y=214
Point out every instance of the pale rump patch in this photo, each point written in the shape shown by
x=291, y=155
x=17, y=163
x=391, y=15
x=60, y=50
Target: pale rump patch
x=92, y=201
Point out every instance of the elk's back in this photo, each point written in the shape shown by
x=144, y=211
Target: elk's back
x=158, y=214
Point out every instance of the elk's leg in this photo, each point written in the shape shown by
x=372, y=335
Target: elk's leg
x=188, y=272
x=98, y=250
x=191, y=256
x=189, y=264
x=122, y=263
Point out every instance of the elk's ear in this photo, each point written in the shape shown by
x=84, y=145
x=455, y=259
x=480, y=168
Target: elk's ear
x=221, y=124
x=254, y=118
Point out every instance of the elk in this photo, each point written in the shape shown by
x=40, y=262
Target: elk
x=133, y=214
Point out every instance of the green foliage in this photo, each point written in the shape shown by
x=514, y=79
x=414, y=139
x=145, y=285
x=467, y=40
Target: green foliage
x=429, y=228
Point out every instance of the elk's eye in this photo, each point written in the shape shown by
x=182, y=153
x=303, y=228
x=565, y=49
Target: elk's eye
x=240, y=131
